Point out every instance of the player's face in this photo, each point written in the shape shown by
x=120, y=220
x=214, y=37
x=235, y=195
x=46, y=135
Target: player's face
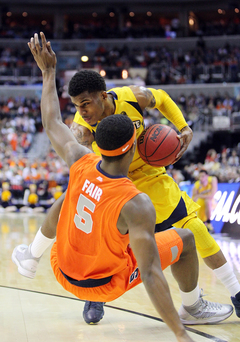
x=203, y=177
x=90, y=106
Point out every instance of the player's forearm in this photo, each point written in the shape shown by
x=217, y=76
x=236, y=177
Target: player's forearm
x=160, y=296
x=59, y=134
x=50, y=108
x=171, y=111
x=194, y=194
x=169, y=108
x=49, y=226
x=82, y=134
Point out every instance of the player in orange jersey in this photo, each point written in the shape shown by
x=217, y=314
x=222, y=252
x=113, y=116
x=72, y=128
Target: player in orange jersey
x=103, y=212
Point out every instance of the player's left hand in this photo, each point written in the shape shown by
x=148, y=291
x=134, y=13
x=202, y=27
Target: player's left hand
x=185, y=138
x=43, y=55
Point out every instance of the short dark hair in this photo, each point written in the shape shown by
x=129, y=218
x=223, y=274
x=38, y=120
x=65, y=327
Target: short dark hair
x=204, y=171
x=113, y=132
x=86, y=80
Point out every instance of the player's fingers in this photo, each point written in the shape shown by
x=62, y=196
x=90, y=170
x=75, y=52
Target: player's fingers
x=43, y=38
x=180, y=153
x=36, y=41
x=31, y=45
x=50, y=48
x=177, y=158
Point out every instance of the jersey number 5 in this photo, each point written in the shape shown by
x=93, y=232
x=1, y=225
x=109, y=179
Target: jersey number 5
x=83, y=219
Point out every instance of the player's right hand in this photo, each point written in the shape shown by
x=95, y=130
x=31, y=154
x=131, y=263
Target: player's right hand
x=185, y=137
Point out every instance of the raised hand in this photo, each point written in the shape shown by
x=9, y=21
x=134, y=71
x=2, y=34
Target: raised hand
x=43, y=55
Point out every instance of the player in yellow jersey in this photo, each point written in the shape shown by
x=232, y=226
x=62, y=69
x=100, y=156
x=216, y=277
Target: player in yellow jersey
x=203, y=192
x=87, y=90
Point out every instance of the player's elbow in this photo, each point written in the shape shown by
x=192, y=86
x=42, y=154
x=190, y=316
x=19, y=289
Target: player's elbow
x=51, y=125
x=46, y=123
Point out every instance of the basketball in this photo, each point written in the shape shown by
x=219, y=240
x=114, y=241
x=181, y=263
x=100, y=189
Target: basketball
x=158, y=145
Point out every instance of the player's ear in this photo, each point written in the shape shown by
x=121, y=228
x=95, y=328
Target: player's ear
x=104, y=95
x=133, y=148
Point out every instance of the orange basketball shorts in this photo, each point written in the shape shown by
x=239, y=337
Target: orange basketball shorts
x=169, y=246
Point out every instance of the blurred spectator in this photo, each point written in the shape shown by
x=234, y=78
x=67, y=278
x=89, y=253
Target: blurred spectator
x=211, y=156
x=233, y=160
x=31, y=200
x=57, y=192
x=6, y=199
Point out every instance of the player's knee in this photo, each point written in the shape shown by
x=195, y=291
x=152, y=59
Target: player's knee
x=188, y=240
x=197, y=227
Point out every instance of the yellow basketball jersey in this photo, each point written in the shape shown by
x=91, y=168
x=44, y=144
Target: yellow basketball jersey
x=126, y=104
x=201, y=201
x=204, y=189
x=163, y=191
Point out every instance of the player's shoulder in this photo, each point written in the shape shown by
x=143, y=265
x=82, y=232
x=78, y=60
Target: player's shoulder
x=84, y=161
x=196, y=184
x=140, y=204
x=214, y=179
x=138, y=210
x=125, y=93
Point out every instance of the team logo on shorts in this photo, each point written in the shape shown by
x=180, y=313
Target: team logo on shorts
x=134, y=275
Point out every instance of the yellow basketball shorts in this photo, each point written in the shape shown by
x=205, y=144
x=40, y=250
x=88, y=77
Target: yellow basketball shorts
x=201, y=212
x=173, y=206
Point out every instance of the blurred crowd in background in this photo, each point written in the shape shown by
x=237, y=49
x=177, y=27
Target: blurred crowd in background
x=31, y=179
x=97, y=27
x=199, y=65
x=30, y=183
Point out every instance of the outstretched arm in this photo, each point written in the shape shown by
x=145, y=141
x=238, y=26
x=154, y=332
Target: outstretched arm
x=59, y=134
x=139, y=216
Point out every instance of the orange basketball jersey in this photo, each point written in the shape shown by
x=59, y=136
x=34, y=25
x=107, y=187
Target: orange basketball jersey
x=89, y=244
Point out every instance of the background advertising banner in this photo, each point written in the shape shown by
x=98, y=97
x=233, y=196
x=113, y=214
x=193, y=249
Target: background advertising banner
x=226, y=211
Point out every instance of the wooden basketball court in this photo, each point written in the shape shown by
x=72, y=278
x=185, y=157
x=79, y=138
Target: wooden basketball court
x=40, y=310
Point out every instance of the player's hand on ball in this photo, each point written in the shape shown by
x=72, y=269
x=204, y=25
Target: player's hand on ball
x=185, y=137
x=43, y=55
x=158, y=145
